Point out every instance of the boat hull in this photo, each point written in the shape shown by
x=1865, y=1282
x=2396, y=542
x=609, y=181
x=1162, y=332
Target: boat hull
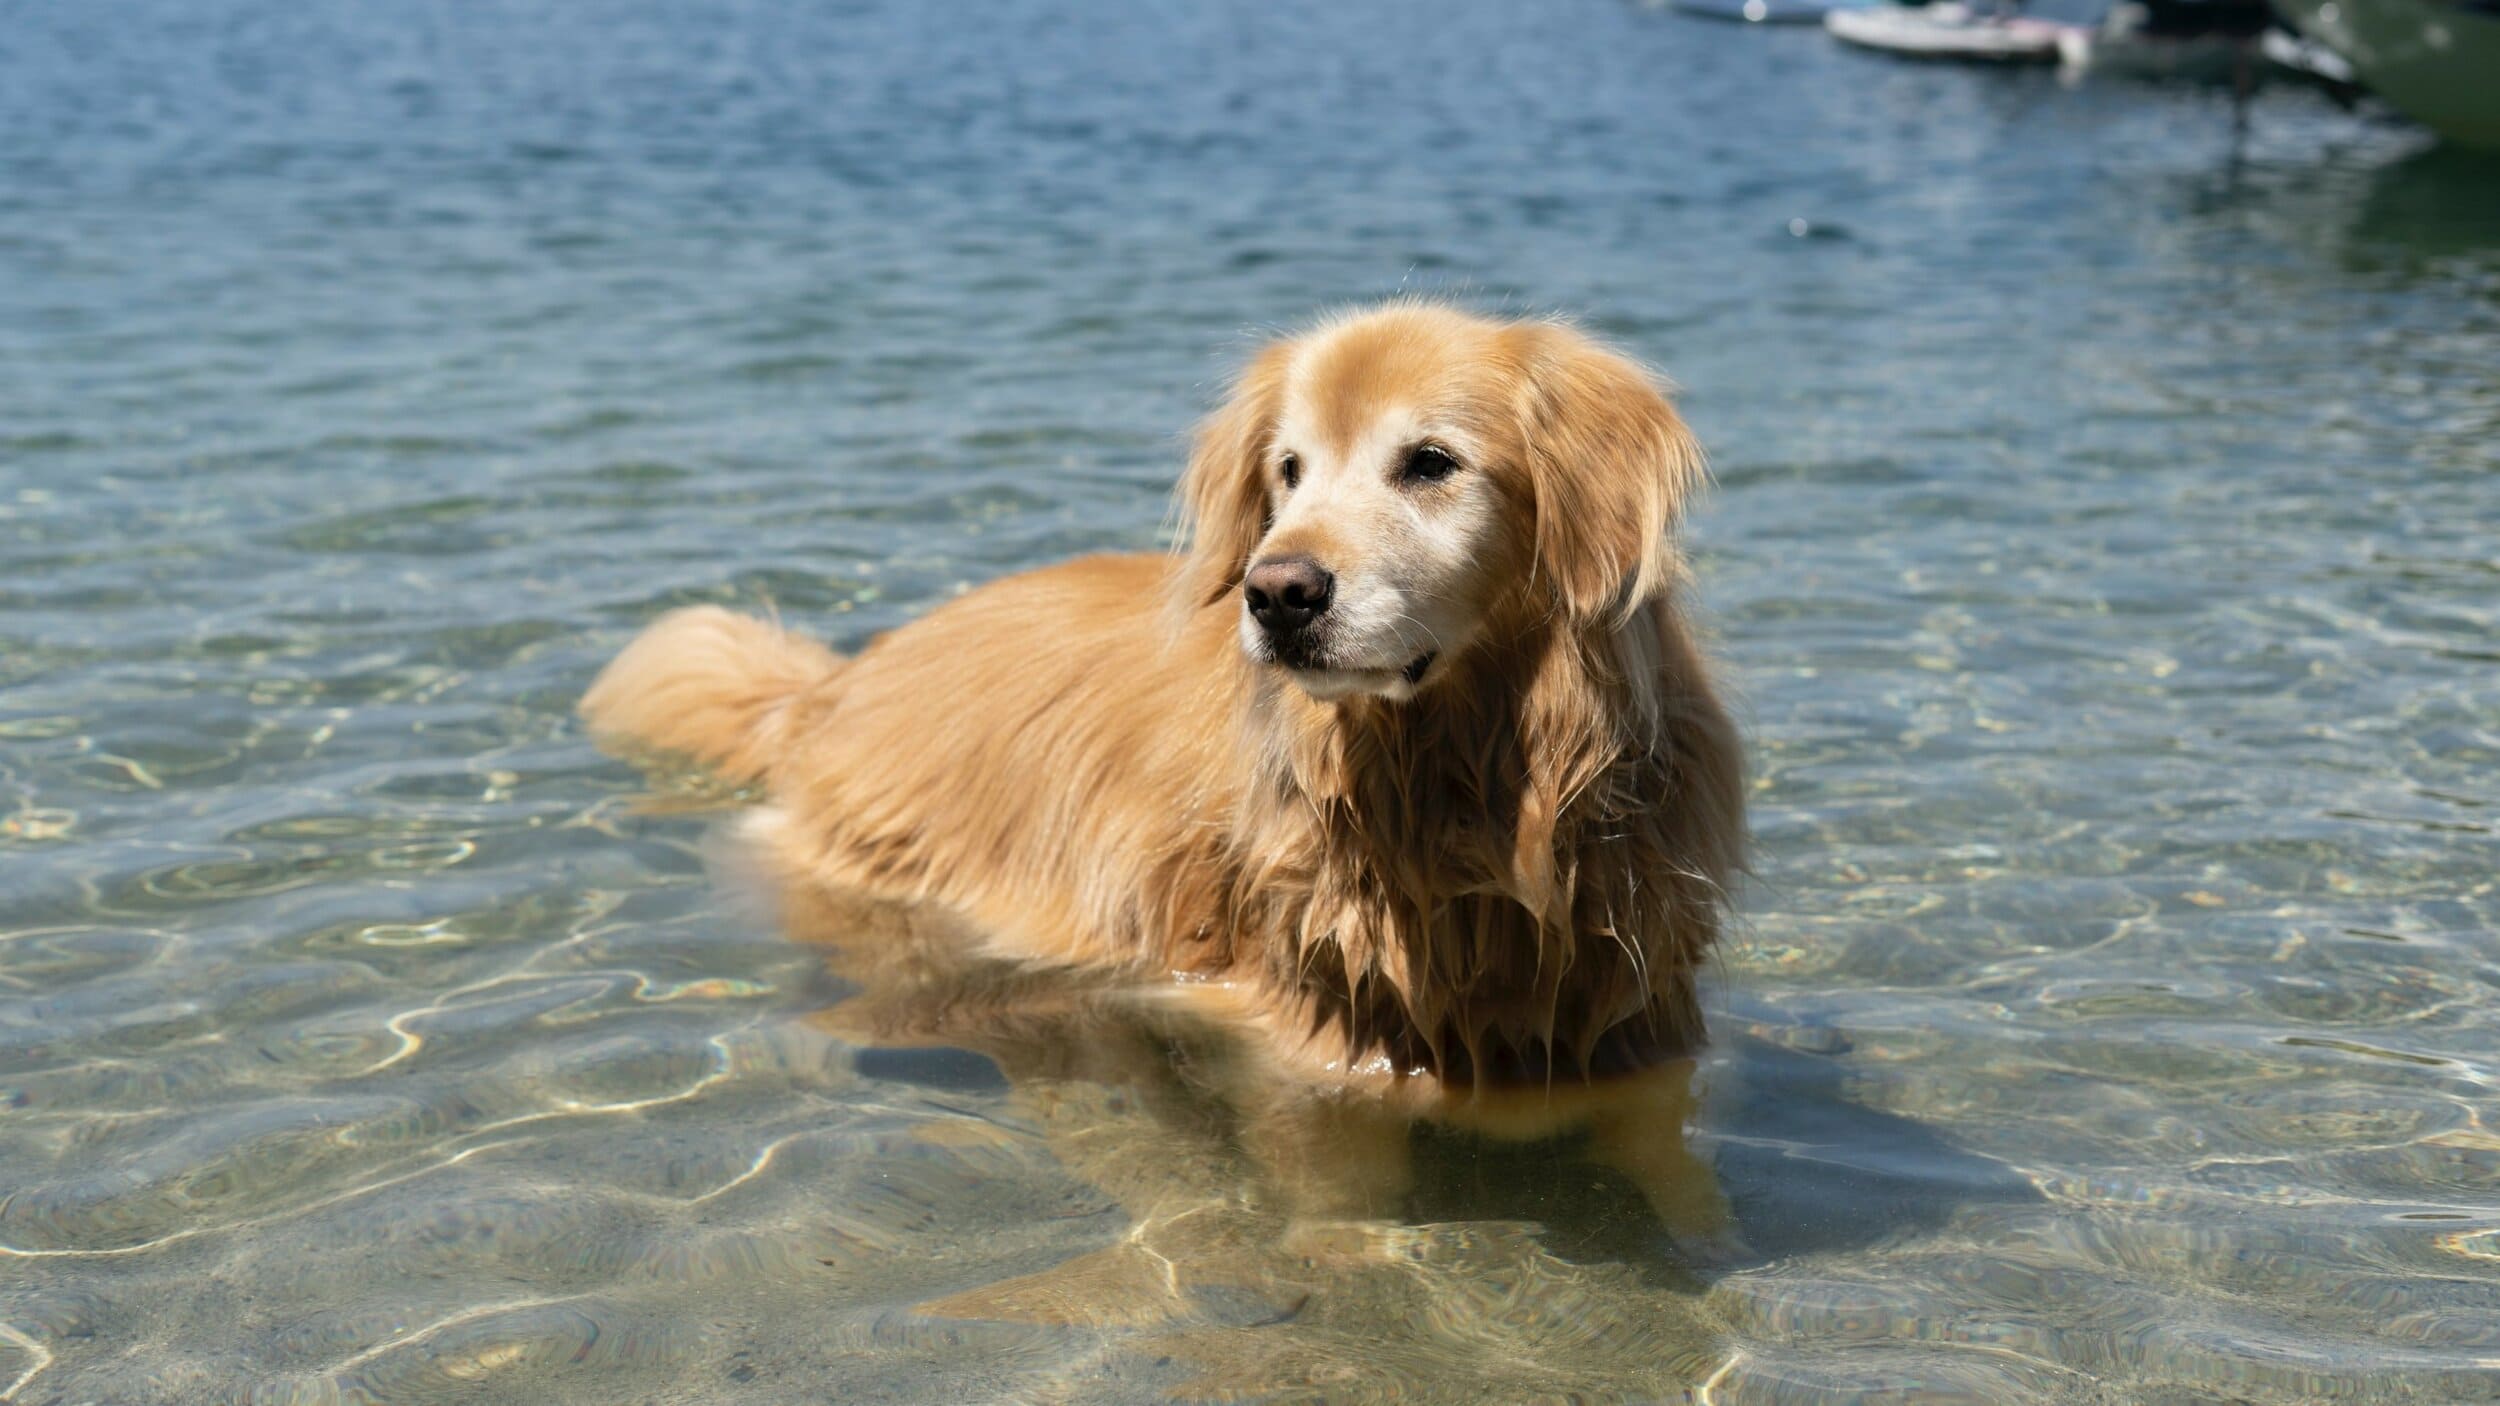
x=1946, y=31
x=2437, y=63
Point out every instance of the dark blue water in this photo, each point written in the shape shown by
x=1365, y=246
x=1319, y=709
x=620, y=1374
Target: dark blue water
x=2103, y=553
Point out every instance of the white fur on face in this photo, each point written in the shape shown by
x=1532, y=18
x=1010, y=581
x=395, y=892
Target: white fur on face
x=1409, y=558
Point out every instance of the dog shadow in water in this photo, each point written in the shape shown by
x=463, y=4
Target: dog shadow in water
x=1260, y=1198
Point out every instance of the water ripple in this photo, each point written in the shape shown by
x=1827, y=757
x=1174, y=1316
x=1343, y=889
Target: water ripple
x=2101, y=554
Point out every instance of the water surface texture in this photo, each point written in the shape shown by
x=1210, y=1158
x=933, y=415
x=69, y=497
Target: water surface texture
x=2103, y=554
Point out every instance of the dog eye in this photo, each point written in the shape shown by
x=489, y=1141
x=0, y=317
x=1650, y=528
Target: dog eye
x=1290, y=470
x=1427, y=463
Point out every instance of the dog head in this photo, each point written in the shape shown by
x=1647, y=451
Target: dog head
x=1388, y=491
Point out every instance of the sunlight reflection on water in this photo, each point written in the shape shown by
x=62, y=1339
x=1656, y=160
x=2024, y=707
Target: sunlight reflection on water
x=2102, y=551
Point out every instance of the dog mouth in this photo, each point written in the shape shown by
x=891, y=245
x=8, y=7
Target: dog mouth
x=1311, y=661
x=1328, y=681
x=1318, y=665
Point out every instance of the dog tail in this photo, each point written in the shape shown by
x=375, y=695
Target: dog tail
x=712, y=685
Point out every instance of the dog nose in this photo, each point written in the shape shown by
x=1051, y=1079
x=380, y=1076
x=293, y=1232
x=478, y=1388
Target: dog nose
x=1287, y=593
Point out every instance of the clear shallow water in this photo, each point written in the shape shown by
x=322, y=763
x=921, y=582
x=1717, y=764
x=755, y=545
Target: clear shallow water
x=2103, y=552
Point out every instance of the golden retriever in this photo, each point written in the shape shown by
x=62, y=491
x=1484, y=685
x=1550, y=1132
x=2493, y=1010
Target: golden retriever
x=1409, y=747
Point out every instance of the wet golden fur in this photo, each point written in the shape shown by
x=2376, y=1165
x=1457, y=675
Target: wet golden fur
x=1172, y=1097
x=1507, y=872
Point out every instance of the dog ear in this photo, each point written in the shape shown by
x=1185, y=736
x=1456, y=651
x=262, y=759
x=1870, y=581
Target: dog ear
x=1223, y=494
x=1610, y=465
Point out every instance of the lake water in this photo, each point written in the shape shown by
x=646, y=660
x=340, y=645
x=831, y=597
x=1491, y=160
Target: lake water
x=2103, y=555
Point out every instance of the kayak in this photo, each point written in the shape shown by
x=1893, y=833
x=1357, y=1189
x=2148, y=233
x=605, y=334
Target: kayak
x=1948, y=30
x=1767, y=11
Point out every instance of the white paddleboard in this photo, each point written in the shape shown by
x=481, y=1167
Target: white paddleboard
x=1765, y=11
